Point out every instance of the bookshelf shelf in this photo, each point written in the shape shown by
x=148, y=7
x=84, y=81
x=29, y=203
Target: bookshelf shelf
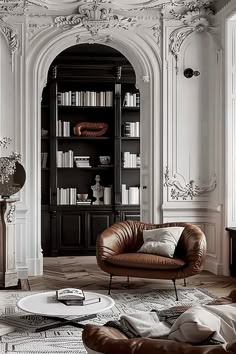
x=85, y=107
x=69, y=228
x=132, y=109
x=130, y=138
x=83, y=138
x=130, y=168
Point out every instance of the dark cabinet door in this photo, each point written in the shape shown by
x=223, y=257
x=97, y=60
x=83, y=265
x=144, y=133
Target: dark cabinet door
x=70, y=231
x=97, y=221
x=130, y=215
x=45, y=232
x=232, y=250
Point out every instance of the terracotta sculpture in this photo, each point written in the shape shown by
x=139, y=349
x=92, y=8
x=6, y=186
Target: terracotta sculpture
x=90, y=129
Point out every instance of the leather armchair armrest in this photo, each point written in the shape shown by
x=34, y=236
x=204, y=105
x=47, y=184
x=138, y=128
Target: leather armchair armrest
x=108, y=340
x=192, y=247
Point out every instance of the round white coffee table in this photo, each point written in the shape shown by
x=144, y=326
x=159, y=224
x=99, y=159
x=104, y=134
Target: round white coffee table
x=45, y=304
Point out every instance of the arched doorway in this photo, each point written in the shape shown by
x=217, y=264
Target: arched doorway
x=144, y=57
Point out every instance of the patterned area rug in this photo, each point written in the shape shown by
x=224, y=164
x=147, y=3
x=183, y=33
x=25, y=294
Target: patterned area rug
x=67, y=339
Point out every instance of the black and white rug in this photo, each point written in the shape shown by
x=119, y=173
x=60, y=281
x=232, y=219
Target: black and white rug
x=67, y=339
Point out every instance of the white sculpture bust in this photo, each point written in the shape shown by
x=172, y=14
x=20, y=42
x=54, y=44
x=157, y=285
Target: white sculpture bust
x=98, y=191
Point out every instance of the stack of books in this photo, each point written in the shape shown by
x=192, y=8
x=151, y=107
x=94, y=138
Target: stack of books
x=84, y=202
x=82, y=161
x=131, y=129
x=73, y=296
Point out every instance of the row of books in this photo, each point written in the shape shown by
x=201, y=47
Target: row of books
x=82, y=161
x=130, y=195
x=44, y=157
x=131, y=129
x=85, y=98
x=62, y=128
x=130, y=160
x=131, y=99
x=65, y=159
x=66, y=196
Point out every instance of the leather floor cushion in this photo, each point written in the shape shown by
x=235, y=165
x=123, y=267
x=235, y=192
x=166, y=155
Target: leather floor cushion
x=147, y=261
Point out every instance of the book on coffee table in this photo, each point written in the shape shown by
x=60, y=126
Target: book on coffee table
x=5, y=329
x=70, y=294
x=84, y=302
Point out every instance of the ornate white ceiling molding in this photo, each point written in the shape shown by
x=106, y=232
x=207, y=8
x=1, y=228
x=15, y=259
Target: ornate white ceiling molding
x=11, y=37
x=181, y=189
x=19, y=7
x=199, y=19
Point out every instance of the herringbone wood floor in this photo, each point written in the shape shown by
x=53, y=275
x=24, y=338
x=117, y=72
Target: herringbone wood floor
x=83, y=272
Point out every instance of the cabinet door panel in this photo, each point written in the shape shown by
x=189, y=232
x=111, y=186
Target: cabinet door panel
x=45, y=231
x=130, y=215
x=70, y=231
x=96, y=223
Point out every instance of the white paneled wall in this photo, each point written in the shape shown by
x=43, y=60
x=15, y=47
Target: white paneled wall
x=182, y=125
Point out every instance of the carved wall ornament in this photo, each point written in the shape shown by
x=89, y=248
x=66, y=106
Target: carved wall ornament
x=146, y=78
x=19, y=7
x=157, y=33
x=181, y=189
x=34, y=28
x=176, y=40
x=11, y=36
x=200, y=19
x=94, y=16
x=11, y=214
x=192, y=4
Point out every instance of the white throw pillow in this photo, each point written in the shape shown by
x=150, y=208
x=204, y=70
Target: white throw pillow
x=162, y=241
x=195, y=326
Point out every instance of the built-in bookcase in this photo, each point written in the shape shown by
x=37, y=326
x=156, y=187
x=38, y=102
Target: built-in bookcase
x=90, y=91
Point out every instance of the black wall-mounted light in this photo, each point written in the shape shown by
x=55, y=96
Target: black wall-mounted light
x=188, y=73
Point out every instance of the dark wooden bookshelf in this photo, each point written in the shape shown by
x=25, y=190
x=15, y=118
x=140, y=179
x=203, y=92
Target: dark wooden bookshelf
x=73, y=229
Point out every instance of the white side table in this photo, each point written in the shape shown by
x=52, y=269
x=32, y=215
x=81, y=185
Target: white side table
x=45, y=304
x=8, y=271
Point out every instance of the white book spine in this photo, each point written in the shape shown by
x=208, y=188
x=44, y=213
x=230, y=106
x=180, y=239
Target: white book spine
x=124, y=194
x=107, y=195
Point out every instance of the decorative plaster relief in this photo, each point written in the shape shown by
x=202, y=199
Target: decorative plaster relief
x=184, y=190
x=94, y=16
x=34, y=28
x=10, y=35
x=200, y=19
x=11, y=214
x=19, y=7
x=176, y=40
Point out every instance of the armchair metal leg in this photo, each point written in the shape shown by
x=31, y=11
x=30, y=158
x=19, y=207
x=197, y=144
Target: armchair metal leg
x=185, y=283
x=177, y=299
x=109, y=290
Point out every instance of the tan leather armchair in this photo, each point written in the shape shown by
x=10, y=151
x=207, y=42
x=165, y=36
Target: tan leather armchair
x=117, y=248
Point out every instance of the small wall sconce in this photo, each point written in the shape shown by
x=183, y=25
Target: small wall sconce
x=188, y=73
